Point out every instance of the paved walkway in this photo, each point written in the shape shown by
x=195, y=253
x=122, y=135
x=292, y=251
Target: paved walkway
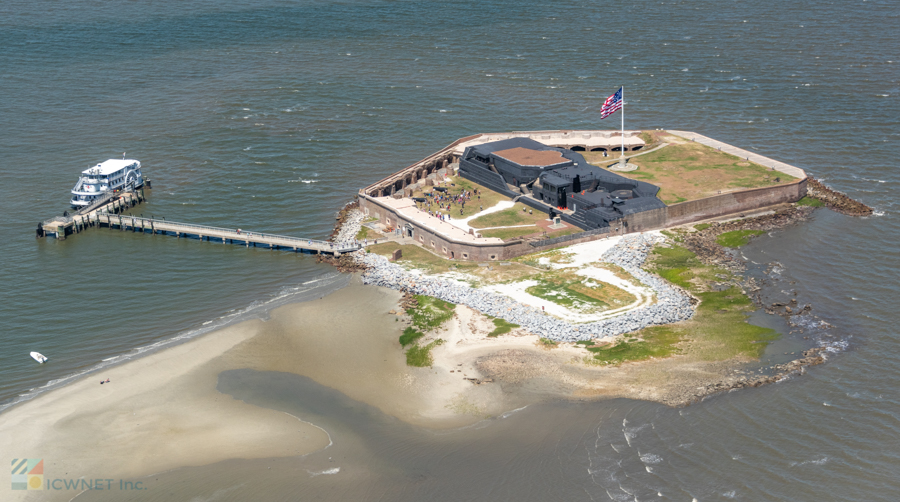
x=740, y=152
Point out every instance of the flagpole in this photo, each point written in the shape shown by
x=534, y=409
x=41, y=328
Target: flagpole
x=623, y=122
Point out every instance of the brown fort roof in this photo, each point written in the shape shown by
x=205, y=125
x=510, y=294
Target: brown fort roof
x=527, y=157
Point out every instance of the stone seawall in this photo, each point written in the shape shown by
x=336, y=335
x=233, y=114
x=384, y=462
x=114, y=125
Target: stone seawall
x=718, y=205
x=672, y=304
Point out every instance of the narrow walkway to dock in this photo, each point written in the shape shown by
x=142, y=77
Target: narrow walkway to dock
x=223, y=235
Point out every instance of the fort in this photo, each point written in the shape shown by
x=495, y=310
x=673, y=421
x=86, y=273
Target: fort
x=545, y=189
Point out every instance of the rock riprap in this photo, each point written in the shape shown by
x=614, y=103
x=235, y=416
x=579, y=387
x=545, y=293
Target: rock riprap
x=672, y=304
x=350, y=226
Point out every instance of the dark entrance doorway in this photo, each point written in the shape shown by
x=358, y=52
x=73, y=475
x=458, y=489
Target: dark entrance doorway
x=561, y=196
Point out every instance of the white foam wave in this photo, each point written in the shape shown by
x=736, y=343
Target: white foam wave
x=650, y=458
x=325, y=472
x=819, y=461
x=512, y=412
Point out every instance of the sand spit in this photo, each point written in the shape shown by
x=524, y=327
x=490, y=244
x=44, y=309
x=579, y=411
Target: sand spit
x=156, y=413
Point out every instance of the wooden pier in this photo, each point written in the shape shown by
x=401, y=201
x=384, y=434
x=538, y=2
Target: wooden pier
x=224, y=235
x=111, y=202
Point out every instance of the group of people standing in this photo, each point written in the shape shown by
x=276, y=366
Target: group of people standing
x=446, y=202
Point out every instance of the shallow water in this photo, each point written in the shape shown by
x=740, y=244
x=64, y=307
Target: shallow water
x=269, y=115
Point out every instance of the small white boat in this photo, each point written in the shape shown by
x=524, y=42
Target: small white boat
x=41, y=358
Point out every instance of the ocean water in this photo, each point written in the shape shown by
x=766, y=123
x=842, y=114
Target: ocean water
x=269, y=115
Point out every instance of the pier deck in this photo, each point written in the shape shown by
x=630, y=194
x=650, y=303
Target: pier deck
x=223, y=235
x=105, y=212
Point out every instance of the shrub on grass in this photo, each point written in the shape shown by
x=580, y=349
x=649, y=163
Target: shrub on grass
x=810, y=201
x=409, y=336
x=737, y=238
x=420, y=356
x=502, y=327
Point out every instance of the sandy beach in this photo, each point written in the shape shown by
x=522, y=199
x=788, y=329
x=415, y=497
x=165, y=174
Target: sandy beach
x=156, y=413
x=163, y=411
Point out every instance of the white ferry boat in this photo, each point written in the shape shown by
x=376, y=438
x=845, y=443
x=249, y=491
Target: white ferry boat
x=114, y=174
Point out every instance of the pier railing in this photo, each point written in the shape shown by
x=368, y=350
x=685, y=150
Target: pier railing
x=154, y=224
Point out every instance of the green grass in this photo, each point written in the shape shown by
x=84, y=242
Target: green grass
x=810, y=201
x=687, y=171
x=420, y=258
x=721, y=324
x=737, y=238
x=429, y=315
x=409, y=336
x=510, y=233
x=676, y=265
x=702, y=226
x=719, y=329
x=502, y=327
x=565, y=287
x=420, y=356
x=362, y=234
x=488, y=197
x=672, y=235
x=654, y=342
x=547, y=343
x=508, y=217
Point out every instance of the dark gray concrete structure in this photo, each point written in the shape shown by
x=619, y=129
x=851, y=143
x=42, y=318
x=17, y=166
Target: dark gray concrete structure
x=557, y=180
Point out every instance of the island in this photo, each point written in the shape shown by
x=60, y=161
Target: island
x=559, y=262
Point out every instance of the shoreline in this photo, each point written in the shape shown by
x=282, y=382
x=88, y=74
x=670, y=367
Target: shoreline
x=83, y=428
x=250, y=312
x=702, y=240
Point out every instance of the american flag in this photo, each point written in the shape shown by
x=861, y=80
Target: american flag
x=611, y=104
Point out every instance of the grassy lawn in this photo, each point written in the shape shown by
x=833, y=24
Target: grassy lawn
x=362, y=234
x=508, y=217
x=417, y=257
x=510, y=233
x=656, y=341
x=565, y=287
x=689, y=171
x=737, y=238
x=456, y=186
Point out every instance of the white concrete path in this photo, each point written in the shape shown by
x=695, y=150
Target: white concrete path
x=463, y=223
